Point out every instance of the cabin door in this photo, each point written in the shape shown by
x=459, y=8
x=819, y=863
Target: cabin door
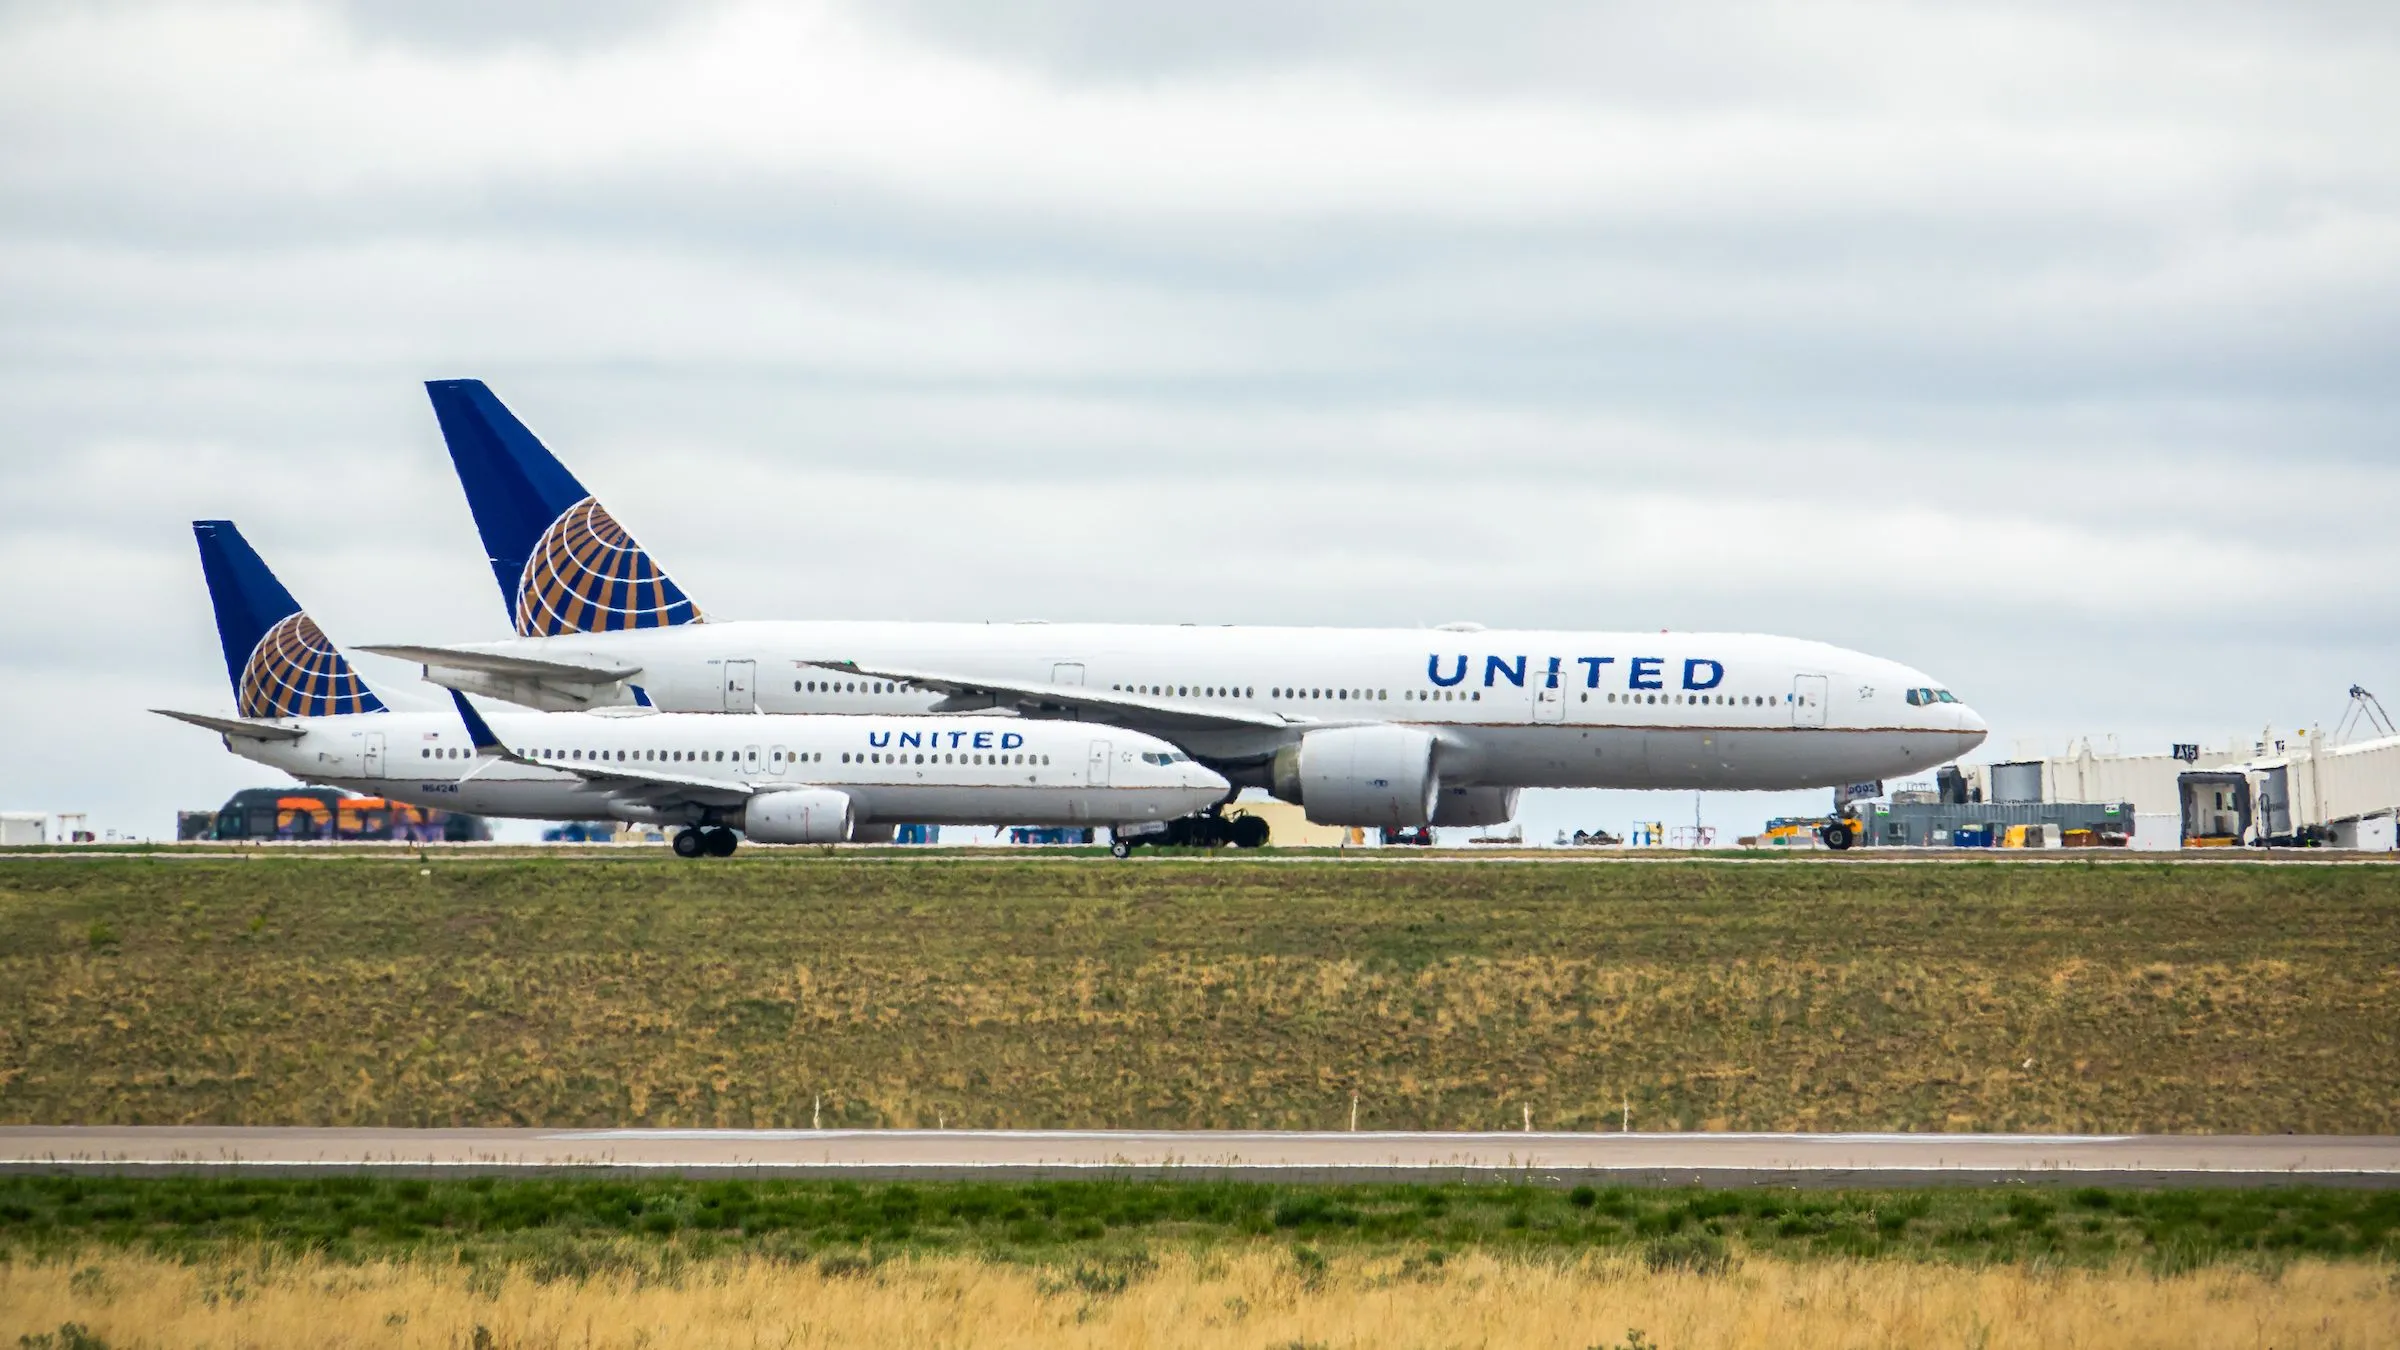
x=371, y=756
x=1808, y=700
x=1549, y=701
x=741, y=686
x=1095, y=765
x=1067, y=672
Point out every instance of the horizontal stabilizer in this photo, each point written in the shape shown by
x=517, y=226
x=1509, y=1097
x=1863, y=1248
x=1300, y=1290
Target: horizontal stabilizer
x=235, y=726
x=512, y=667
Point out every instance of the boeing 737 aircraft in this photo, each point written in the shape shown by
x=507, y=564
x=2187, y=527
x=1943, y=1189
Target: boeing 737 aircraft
x=787, y=780
x=1361, y=726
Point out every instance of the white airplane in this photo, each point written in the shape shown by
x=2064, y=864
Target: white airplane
x=1361, y=726
x=785, y=780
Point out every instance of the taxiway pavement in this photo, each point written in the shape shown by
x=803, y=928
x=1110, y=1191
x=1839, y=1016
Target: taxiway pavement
x=1541, y=1158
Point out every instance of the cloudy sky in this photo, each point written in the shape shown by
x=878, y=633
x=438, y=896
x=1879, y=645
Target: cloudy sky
x=2054, y=348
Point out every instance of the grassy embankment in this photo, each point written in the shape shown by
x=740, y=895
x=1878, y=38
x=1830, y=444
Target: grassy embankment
x=979, y=992
x=384, y=1261
x=1247, y=1299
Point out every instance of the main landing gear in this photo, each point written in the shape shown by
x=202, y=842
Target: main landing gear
x=1209, y=829
x=714, y=841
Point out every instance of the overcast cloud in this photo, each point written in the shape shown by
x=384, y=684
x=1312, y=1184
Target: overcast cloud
x=2048, y=347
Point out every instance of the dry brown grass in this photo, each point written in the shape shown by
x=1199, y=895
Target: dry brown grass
x=1252, y=1297
x=996, y=993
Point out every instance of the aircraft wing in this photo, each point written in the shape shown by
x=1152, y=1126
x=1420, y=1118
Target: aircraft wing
x=511, y=667
x=638, y=781
x=236, y=726
x=1041, y=698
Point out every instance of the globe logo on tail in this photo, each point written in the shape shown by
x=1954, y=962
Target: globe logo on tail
x=586, y=575
x=295, y=672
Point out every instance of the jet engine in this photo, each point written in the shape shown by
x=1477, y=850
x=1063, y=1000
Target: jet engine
x=1373, y=776
x=1476, y=806
x=800, y=816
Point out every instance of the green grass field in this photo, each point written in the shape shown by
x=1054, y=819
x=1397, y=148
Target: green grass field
x=560, y=1226
x=1082, y=993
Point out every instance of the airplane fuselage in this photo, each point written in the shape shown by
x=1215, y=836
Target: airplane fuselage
x=1511, y=708
x=932, y=770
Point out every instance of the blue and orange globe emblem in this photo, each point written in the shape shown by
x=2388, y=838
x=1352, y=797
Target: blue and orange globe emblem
x=295, y=672
x=586, y=575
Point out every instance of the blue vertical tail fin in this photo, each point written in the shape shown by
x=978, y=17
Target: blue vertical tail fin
x=280, y=662
x=563, y=563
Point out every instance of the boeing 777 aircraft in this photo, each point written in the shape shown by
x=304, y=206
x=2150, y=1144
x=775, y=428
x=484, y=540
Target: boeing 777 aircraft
x=788, y=780
x=1361, y=726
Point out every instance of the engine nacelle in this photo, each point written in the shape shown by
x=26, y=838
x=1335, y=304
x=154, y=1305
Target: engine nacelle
x=800, y=816
x=1372, y=776
x=1476, y=806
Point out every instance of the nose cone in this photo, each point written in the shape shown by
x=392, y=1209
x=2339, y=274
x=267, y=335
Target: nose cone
x=1967, y=729
x=1200, y=785
x=1972, y=723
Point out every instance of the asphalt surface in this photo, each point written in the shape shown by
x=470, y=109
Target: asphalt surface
x=1553, y=1159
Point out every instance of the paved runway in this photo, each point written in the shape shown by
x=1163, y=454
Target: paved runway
x=1552, y=1159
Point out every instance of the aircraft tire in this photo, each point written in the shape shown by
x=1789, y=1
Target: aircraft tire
x=721, y=843
x=1837, y=837
x=1120, y=849
x=689, y=844
x=1250, y=832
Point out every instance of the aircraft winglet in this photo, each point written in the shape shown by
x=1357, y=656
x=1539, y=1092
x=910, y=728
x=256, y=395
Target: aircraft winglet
x=478, y=730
